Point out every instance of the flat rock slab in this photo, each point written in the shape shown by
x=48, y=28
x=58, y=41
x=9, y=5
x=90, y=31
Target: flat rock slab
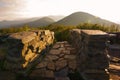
x=23, y=36
x=94, y=32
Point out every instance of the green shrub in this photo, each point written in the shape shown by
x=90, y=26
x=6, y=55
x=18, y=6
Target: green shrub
x=112, y=28
x=61, y=31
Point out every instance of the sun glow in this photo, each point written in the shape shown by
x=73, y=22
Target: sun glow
x=103, y=8
x=33, y=8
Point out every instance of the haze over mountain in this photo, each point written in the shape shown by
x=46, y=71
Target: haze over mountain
x=82, y=17
x=73, y=19
x=36, y=21
x=56, y=18
x=40, y=22
x=8, y=23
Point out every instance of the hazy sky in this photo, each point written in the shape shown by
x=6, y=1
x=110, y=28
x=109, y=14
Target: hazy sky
x=12, y=9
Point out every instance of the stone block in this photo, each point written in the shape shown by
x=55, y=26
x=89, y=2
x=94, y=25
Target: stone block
x=60, y=64
x=55, y=52
x=51, y=65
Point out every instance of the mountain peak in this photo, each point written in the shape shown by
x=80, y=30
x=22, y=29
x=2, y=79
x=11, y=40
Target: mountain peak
x=82, y=17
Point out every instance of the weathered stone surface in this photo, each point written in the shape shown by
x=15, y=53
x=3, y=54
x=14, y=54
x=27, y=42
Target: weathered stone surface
x=62, y=78
x=4, y=75
x=62, y=73
x=91, y=54
x=11, y=65
x=61, y=59
x=67, y=45
x=2, y=52
x=24, y=49
x=29, y=55
x=42, y=64
x=66, y=51
x=55, y=52
x=51, y=65
x=75, y=38
x=72, y=64
x=37, y=73
x=61, y=48
x=57, y=66
x=14, y=59
x=61, y=55
x=70, y=57
x=62, y=45
x=52, y=57
x=94, y=32
x=60, y=64
x=96, y=74
x=70, y=48
x=49, y=74
x=25, y=37
x=41, y=73
x=56, y=46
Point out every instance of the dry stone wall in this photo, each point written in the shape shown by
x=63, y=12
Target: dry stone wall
x=92, y=58
x=57, y=64
x=24, y=49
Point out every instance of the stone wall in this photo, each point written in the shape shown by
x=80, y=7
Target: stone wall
x=24, y=49
x=92, y=58
x=115, y=38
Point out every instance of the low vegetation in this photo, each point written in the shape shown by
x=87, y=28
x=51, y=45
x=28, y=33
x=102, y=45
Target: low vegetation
x=61, y=31
x=112, y=28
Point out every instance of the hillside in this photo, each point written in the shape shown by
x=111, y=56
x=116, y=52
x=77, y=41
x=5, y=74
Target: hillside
x=40, y=22
x=82, y=17
x=7, y=23
x=57, y=17
x=33, y=22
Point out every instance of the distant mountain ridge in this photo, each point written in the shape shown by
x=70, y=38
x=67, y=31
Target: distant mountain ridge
x=13, y=23
x=82, y=17
x=33, y=22
x=56, y=18
x=40, y=22
x=71, y=20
